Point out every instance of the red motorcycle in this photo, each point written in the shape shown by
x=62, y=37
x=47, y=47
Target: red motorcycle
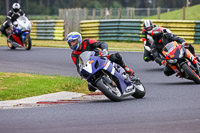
x=182, y=61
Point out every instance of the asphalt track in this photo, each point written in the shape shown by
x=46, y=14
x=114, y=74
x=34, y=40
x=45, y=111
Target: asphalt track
x=171, y=105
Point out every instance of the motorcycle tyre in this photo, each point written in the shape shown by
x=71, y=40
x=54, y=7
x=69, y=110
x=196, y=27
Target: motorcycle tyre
x=191, y=74
x=138, y=93
x=102, y=87
x=29, y=42
x=10, y=45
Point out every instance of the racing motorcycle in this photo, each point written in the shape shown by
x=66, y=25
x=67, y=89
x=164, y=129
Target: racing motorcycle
x=19, y=34
x=108, y=77
x=182, y=61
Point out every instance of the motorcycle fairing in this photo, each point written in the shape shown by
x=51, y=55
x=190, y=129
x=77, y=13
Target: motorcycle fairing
x=174, y=54
x=24, y=34
x=17, y=39
x=96, y=63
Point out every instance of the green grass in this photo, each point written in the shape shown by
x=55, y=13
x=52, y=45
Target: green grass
x=192, y=13
x=117, y=46
x=122, y=46
x=21, y=85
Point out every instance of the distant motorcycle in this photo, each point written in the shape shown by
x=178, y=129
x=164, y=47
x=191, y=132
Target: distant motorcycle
x=182, y=61
x=19, y=34
x=108, y=77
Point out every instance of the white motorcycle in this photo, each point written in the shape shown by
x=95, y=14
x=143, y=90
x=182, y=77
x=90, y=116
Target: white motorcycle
x=19, y=34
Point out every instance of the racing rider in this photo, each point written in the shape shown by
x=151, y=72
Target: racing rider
x=12, y=16
x=148, y=40
x=75, y=42
x=161, y=38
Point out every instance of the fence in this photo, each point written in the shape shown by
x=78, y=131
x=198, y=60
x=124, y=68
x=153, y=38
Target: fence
x=48, y=29
x=130, y=29
x=74, y=16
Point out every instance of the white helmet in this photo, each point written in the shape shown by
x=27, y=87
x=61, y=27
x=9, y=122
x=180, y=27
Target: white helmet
x=16, y=7
x=148, y=25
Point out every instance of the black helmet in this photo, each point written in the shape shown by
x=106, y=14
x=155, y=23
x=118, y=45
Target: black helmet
x=16, y=7
x=148, y=26
x=157, y=34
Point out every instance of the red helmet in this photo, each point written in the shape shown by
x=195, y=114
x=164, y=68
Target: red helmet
x=157, y=34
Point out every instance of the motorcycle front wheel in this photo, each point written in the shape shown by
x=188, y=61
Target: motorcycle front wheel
x=139, y=90
x=104, y=84
x=27, y=42
x=191, y=73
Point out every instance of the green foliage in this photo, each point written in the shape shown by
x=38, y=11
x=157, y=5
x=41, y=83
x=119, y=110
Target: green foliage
x=36, y=9
x=116, y=4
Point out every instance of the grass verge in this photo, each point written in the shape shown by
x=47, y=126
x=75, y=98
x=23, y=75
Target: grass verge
x=191, y=14
x=21, y=85
x=117, y=46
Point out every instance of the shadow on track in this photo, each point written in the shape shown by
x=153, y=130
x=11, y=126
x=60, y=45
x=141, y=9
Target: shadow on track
x=109, y=101
x=154, y=69
x=178, y=83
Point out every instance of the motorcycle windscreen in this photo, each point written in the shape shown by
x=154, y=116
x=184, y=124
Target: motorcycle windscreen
x=171, y=50
x=85, y=56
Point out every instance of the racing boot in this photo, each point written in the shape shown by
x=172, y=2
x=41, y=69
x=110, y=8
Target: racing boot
x=131, y=74
x=3, y=31
x=179, y=75
x=128, y=70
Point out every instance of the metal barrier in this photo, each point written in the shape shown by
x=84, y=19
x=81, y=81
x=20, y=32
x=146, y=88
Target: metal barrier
x=130, y=29
x=48, y=29
x=112, y=30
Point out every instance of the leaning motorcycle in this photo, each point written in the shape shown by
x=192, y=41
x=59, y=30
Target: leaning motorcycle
x=19, y=34
x=182, y=61
x=108, y=77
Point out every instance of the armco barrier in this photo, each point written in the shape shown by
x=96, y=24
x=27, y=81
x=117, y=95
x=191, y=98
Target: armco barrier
x=130, y=29
x=184, y=29
x=48, y=29
x=197, y=32
x=112, y=30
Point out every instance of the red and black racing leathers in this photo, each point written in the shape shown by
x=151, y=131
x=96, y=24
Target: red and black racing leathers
x=147, y=40
x=158, y=46
x=93, y=45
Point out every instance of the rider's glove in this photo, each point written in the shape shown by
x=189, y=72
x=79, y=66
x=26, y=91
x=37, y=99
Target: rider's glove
x=104, y=52
x=164, y=63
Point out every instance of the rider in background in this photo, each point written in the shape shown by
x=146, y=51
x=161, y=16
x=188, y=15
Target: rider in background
x=148, y=40
x=161, y=38
x=12, y=16
x=75, y=42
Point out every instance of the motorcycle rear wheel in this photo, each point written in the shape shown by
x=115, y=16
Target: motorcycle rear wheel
x=105, y=88
x=10, y=45
x=191, y=73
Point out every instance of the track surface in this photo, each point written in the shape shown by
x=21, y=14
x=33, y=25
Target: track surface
x=170, y=106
